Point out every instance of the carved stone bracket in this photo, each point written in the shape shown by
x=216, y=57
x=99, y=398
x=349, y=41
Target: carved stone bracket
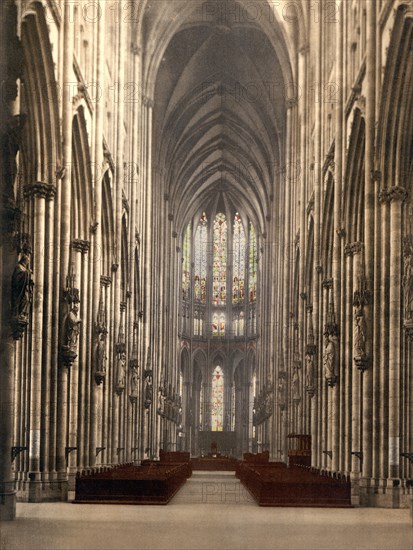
x=409, y=456
x=99, y=450
x=361, y=362
x=15, y=451
x=69, y=450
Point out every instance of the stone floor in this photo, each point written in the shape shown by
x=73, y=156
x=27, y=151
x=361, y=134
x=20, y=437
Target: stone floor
x=66, y=526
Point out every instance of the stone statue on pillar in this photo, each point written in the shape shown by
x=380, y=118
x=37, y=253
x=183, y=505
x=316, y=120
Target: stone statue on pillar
x=359, y=333
x=330, y=359
x=408, y=282
x=134, y=383
x=71, y=328
x=295, y=383
x=161, y=400
x=282, y=392
x=121, y=372
x=21, y=295
x=101, y=356
x=309, y=373
x=148, y=391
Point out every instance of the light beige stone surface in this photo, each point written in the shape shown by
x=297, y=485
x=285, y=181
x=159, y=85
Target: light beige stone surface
x=66, y=526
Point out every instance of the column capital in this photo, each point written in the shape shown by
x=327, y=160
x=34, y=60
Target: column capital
x=304, y=48
x=327, y=284
x=40, y=190
x=351, y=249
x=80, y=245
x=105, y=281
x=398, y=193
x=393, y=194
x=147, y=102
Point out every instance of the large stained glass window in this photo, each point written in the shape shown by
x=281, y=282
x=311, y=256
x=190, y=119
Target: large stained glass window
x=252, y=265
x=217, y=401
x=200, y=271
x=238, y=283
x=186, y=267
x=219, y=282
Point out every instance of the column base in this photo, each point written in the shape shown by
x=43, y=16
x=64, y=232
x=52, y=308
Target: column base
x=8, y=506
x=43, y=491
x=355, y=490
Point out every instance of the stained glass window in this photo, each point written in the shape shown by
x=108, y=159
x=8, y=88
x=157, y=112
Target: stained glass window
x=196, y=323
x=201, y=242
x=215, y=324
x=219, y=284
x=252, y=265
x=217, y=401
x=238, y=283
x=186, y=267
x=222, y=324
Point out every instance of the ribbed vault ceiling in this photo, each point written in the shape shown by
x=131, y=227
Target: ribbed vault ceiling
x=219, y=117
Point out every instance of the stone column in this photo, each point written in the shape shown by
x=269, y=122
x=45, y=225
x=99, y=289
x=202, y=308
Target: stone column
x=96, y=256
x=369, y=215
x=38, y=192
x=65, y=219
x=397, y=195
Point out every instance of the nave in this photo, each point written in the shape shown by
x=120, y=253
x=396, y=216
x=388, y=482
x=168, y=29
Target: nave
x=207, y=236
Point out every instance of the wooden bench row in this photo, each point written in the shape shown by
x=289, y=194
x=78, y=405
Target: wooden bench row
x=150, y=483
x=275, y=484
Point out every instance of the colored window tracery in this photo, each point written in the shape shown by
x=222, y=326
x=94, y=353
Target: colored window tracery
x=219, y=281
x=186, y=268
x=200, y=272
x=252, y=265
x=217, y=401
x=238, y=286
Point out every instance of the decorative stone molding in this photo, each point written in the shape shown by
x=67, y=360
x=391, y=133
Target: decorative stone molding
x=39, y=190
x=319, y=269
x=170, y=217
x=115, y=267
x=341, y=232
x=303, y=296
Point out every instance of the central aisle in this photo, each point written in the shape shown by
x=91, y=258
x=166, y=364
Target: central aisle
x=205, y=487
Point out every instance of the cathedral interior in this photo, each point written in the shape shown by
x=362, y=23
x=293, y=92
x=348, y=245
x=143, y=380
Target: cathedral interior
x=207, y=238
